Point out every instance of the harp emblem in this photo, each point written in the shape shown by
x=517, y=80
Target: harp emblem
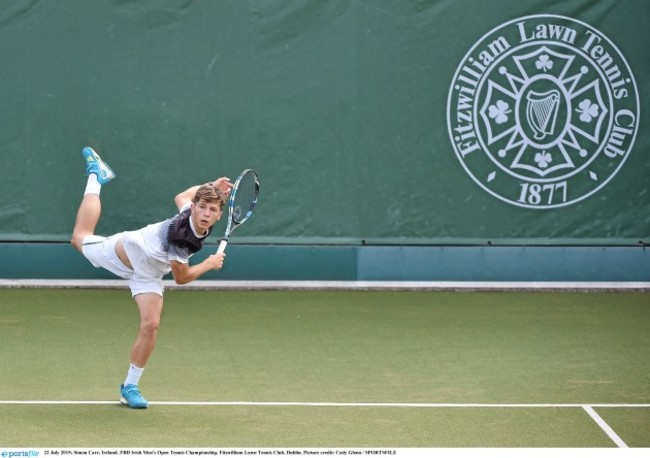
x=541, y=112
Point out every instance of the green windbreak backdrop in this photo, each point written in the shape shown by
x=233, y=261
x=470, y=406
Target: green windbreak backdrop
x=368, y=121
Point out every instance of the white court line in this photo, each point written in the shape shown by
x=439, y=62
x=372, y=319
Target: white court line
x=605, y=427
x=587, y=408
x=328, y=404
x=62, y=402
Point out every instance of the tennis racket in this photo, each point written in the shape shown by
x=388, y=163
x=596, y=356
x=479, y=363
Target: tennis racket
x=243, y=197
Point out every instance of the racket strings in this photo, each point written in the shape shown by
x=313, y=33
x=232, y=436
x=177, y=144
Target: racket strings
x=245, y=197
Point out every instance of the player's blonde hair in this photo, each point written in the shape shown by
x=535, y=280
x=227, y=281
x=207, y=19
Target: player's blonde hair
x=209, y=193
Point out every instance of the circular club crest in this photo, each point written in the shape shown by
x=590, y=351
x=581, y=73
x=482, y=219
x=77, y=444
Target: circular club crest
x=543, y=111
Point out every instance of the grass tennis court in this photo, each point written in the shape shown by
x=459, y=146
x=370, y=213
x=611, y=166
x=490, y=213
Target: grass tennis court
x=328, y=369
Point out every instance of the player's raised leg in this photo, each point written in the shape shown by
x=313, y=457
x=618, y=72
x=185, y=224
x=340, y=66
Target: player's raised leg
x=90, y=209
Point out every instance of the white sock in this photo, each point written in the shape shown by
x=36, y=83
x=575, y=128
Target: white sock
x=92, y=186
x=134, y=374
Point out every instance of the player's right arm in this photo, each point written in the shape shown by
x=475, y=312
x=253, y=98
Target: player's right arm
x=183, y=273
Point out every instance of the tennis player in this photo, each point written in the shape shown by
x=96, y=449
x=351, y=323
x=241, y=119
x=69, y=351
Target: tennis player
x=144, y=256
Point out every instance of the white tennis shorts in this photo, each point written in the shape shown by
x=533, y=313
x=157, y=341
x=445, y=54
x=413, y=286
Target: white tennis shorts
x=100, y=251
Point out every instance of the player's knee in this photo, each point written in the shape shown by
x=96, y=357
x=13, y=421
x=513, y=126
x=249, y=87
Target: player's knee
x=150, y=325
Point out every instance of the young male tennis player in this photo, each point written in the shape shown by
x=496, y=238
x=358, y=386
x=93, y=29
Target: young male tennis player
x=145, y=255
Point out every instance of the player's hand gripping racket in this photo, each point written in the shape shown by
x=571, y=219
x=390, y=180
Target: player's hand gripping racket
x=243, y=197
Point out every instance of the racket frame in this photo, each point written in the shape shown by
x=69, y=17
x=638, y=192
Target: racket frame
x=232, y=224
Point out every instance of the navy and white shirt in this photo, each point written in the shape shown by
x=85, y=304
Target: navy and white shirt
x=152, y=248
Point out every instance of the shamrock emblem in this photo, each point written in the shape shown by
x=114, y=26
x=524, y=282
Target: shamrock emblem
x=587, y=110
x=544, y=63
x=499, y=111
x=543, y=159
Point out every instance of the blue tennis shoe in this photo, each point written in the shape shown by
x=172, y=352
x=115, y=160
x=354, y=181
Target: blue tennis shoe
x=132, y=397
x=94, y=164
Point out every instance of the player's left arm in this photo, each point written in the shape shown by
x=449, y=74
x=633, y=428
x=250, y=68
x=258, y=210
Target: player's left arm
x=185, y=198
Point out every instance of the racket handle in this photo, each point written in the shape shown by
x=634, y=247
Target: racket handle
x=222, y=246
